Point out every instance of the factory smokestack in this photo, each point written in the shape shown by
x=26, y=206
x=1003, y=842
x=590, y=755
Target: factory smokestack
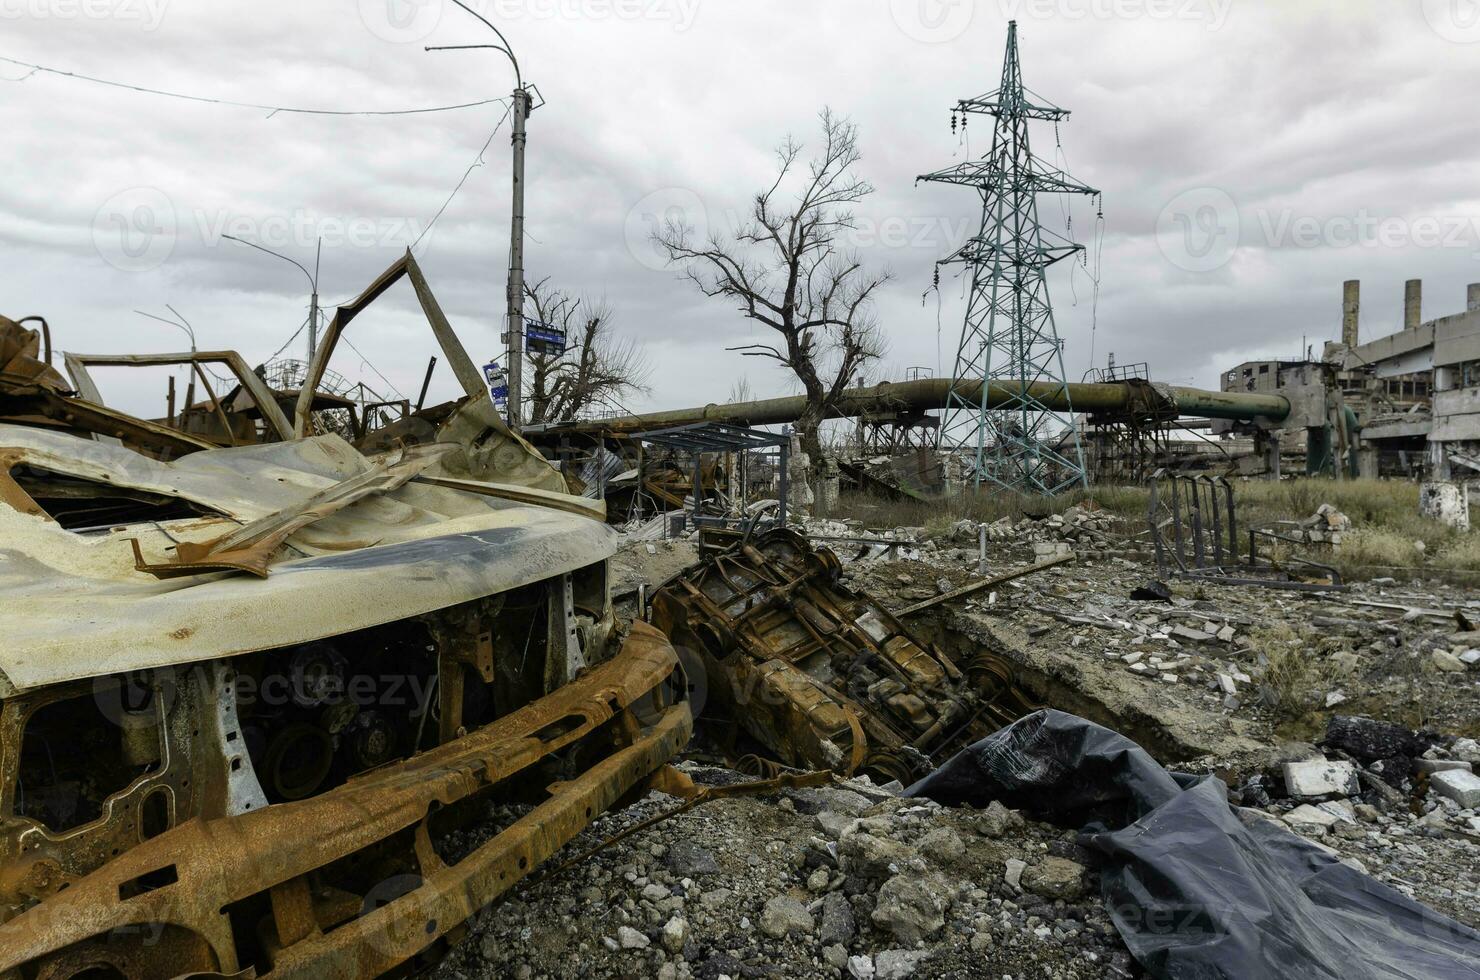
x=1351, y=309
x=1412, y=304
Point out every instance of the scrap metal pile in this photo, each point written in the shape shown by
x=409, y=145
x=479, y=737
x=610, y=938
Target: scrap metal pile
x=261, y=686
x=812, y=675
x=251, y=697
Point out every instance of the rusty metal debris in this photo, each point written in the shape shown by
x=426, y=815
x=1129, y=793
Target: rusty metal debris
x=819, y=676
x=274, y=773
x=356, y=880
x=967, y=591
x=1195, y=533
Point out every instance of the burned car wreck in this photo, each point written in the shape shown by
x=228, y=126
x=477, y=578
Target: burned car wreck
x=247, y=693
x=808, y=674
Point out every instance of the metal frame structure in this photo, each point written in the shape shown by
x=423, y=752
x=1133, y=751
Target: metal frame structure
x=1205, y=546
x=717, y=437
x=1009, y=338
x=275, y=420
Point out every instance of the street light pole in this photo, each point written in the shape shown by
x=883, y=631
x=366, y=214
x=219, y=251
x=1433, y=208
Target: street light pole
x=313, y=306
x=516, y=266
x=514, y=333
x=313, y=285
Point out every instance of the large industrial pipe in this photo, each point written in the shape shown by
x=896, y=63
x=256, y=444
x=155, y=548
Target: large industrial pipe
x=930, y=395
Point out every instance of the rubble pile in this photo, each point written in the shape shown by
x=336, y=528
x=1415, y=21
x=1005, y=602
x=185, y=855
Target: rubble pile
x=1091, y=532
x=846, y=881
x=1326, y=526
x=1400, y=804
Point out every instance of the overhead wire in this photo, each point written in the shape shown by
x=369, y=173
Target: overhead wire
x=371, y=366
x=271, y=110
x=477, y=162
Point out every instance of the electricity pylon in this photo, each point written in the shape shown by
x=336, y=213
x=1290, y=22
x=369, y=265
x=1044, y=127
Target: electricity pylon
x=1009, y=342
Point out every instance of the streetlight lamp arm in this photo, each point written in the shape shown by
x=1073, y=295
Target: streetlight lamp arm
x=280, y=255
x=507, y=49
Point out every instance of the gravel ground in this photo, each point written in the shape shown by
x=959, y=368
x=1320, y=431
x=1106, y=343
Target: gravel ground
x=851, y=881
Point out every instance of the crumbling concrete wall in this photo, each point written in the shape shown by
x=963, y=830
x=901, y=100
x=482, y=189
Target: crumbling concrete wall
x=1446, y=502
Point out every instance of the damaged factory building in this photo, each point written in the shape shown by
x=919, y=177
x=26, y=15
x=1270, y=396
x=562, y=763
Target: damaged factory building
x=438, y=643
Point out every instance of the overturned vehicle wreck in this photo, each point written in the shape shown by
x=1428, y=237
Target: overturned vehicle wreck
x=255, y=702
x=804, y=673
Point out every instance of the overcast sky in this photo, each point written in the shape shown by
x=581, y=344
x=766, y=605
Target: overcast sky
x=1251, y=156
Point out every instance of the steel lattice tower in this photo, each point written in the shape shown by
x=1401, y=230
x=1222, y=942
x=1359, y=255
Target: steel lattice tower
x=1009, y=342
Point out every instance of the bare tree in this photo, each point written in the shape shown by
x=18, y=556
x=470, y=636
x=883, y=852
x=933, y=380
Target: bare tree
x=740, y=390
x=788, y=268
x=596, y=368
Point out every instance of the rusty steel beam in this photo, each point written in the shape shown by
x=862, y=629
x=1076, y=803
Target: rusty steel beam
x=975, y=587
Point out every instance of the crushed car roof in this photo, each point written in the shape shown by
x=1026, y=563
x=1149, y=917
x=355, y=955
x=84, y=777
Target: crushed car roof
x=76, y=603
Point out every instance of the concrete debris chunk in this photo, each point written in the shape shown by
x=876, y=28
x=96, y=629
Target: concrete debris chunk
x=1318, y=778
x=1432, y=766
x=1459, y=785
x=897, y=964
x=1306, y=818
x=997, y=820
x=1056, y=878
x=784, y=916
x=1448, y=662
x=630, y=938
x=911, y=908
x=1466, y=749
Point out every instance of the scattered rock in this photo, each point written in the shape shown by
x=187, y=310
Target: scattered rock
x=630, y=938
x=997, y=820
x=675, y=934
x=942, y=845
x=838, y=923
x=911, y=908
x=1459, y=785
x=1318, y=778
x=872, y=857
x=784, y=916
x=896, y=964
x=1055, y=878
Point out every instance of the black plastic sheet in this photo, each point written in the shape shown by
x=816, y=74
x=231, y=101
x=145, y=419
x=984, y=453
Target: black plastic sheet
x=1201, y=890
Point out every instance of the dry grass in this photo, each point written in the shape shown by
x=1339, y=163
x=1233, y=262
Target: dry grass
x=1384, y=513
x=1295, y=675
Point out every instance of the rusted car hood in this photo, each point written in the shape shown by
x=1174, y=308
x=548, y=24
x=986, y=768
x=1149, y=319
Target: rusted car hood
x=73, y=605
